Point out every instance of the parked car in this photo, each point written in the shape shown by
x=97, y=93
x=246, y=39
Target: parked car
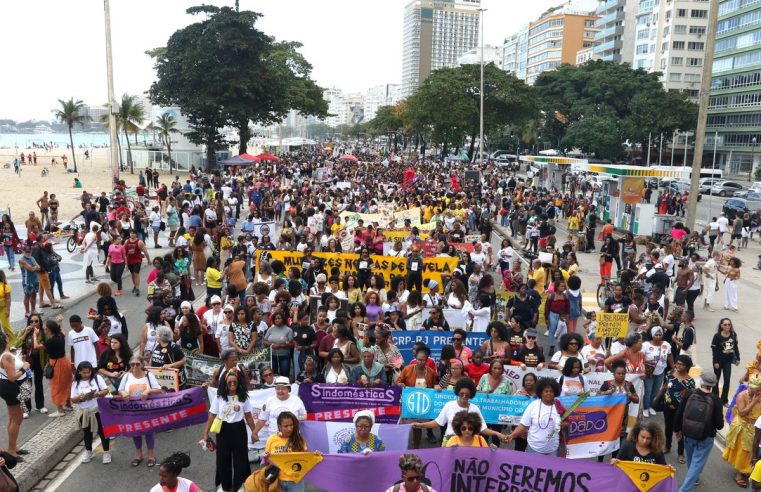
x=726, y=188
x=740, y=206
x=748, y=195
x=680, y=187
x=706, y=184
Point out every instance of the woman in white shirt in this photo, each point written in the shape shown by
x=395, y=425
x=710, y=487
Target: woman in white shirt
x=464, y=389
x=138, y=383
x=148, y=336
x=657, y=357
x=85, y=389
x=232, y=405
x=541, y=420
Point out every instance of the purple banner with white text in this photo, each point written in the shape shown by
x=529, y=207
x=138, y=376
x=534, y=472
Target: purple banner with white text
x=485, y=470
x=339, y=403
x=159, y=413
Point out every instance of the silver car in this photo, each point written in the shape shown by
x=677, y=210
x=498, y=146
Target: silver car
x=726, y=188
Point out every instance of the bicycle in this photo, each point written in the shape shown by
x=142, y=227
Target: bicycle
x=605, y=290
x=76, y=237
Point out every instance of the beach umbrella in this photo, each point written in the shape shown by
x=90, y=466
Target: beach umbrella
x=249, y=157
x=267, y=157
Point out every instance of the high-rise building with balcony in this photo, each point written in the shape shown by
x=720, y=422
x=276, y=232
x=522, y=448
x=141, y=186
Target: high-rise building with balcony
x=556, y=37
x=435, y=34
x=734, y=107
x=670, y=39
x=617, y=23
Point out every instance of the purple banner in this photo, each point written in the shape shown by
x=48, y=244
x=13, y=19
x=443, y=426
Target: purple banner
x=339, y=403
x=328, y=436
x=483, y=469
x=159, y=413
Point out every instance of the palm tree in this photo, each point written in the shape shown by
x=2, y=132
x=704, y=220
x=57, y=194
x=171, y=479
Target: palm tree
x=129, y=117
x=71, y=113
x=166, y=125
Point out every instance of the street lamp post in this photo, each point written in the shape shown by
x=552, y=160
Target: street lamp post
x=481, y=124
x=752, y=158
x=112, y=107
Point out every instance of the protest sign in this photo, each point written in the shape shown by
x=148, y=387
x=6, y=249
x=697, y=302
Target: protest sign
x=339, y=403
x=297, y=464
x=328, y=436
x=434, y=340
x=595, y=425
x=168, y=379
x=346, y=238
x=455, y=317
x=265, y=229
x=463, y=247
x=388, y=266
x=472, y=238
x=159, y=413
x=613, y=325
x=479, y=469
x=200, y=368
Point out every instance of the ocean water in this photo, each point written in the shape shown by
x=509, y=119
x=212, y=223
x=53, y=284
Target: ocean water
x=25, y=140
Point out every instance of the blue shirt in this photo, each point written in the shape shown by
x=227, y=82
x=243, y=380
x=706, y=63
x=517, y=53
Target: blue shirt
x=27, y=277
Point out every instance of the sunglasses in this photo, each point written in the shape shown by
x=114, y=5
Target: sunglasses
x=466, y=428
x=216, y=303
x=533, y=338
x=135, y=364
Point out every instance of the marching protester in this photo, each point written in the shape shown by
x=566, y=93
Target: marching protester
x=362, y=440
x=86, y=388
x=138, y=384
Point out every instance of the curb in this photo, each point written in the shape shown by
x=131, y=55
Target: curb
x=54, y=440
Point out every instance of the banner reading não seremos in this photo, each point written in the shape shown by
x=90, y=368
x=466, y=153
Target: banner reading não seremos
x=388, y=266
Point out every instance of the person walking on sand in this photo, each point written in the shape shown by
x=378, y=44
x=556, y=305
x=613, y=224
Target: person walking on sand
x=44, y=205
x=90, y=252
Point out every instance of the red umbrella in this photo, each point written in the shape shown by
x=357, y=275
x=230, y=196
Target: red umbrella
x=249, y=157
x=348, y=157
x=267, y=157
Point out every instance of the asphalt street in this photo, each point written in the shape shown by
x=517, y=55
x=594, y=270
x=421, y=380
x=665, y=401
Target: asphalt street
x=95, y=476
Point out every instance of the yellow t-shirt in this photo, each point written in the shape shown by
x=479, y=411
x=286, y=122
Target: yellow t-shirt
x=335, y=228
x=540, y=277
x=213, y=278
x=278, y=444
x=478, y=442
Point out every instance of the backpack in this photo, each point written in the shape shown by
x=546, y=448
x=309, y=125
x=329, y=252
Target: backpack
x=698, y=415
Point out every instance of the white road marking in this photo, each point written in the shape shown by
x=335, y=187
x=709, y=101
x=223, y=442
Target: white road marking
x=70, y=469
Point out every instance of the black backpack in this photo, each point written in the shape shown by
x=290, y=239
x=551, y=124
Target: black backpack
x=698, y=415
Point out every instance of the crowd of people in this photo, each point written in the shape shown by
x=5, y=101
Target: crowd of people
x=326, y=324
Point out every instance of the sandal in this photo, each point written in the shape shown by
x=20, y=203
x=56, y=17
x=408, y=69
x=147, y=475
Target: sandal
x=682, y=460
x=151, y=462
x=741, y=482
x=136, y=462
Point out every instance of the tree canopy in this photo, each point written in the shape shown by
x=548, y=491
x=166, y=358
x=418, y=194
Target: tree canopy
x=625, y=104
x=223, y=71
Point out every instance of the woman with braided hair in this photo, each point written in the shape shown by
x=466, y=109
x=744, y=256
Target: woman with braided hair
x=169, y=475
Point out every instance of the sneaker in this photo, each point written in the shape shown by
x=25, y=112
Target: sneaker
x=137, y=292
x=43, y=410
x=56, y=414
x=87, y=457
x=26, y=415
x=117, y=293
x=95, y=279
x=546, y=332
x=106, y=457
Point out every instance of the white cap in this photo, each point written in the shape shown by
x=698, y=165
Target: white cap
x=215, y=299
x=228, y=307
x=282, y=381
x=186, y=304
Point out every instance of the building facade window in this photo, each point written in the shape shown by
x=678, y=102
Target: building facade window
x=681, y=12
x=699, y=14
x=677, y=60
x=694, y=62
x=697, y=29
x=675, y=77
x=680, y=29
x=735, y=81
x=696, y=45
x=678, y=45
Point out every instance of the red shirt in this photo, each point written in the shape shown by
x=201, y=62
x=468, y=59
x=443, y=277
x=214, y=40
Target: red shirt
x=476, y=371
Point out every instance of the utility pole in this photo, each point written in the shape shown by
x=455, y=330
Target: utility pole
x=112, y=106
x=705, y=92
x=481, y=137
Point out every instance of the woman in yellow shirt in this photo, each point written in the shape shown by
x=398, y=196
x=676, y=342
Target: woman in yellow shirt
x=464, y=424
x=213, y=278
x=287, y=440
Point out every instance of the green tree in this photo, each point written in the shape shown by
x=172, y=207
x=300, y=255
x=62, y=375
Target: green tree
x=166, y=125
x=71, y=113
x=129, y=117
x=448, y=103
x=634, y=99
x=596, y=134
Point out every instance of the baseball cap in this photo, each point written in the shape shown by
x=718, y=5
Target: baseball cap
x=215, y=300
x=228, y=307
x=531, y=333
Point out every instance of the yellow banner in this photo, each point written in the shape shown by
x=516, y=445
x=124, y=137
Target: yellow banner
x=295, y=465
x=612, y=325
x=394, y=235
x=644, y=476
x=388, y=266
x=387, y=218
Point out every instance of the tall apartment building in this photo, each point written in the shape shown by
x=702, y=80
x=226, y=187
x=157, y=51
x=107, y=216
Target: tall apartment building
x=556, y=37
x=378, y=96
x=435, y=33
x=670, y=38
x=515, y=53
x=734, y=108
x=617, y=25
x=334, y=96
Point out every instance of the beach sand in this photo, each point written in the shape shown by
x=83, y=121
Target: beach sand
x=20, y=193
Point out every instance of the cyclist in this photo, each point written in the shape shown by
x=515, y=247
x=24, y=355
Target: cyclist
x=618, y=302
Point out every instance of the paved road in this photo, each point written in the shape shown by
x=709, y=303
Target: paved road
x=93, y=476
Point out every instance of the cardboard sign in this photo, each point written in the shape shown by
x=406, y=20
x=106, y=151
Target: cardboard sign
x=612, y=325
x=167, y=378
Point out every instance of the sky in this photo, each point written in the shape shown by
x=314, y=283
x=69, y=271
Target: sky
x=55, y=49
